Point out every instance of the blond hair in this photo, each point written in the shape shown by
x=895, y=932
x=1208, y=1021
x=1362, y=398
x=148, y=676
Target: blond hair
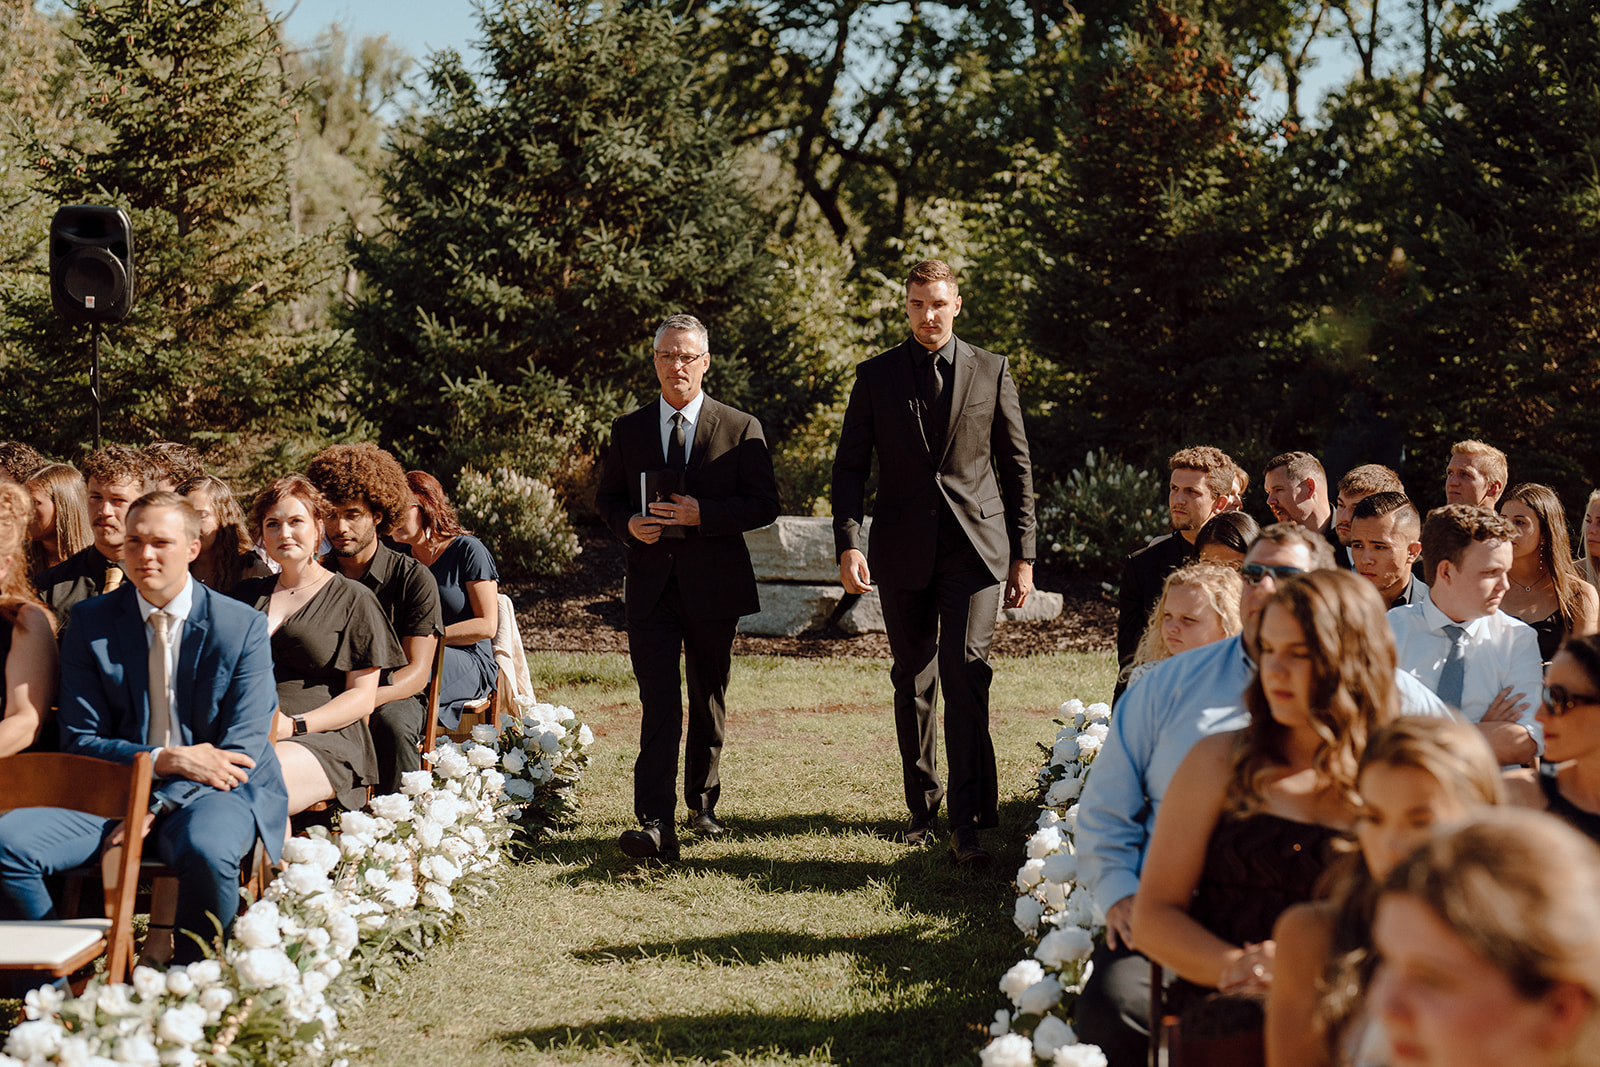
x=1221, y=586
x=1494, y=461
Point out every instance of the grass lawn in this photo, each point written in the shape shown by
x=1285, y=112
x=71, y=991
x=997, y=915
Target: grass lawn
x=808, y=936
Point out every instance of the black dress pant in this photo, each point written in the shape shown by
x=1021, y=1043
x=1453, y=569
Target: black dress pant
x=654, y=643
x=397, y=729
x=939, y=636
x=1114, y=1010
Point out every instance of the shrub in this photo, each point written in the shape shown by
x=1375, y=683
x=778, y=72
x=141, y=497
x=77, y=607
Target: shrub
x=1100, y=512
x=521, y=517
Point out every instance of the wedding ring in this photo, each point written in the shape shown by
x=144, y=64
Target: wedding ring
x=1258, y=970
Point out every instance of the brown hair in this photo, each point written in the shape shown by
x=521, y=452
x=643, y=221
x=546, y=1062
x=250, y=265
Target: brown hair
x=1371, y=478
x=1589, y=571
x=1231, y=529
x=1216, y=464
x=173, y=462
x=1494, y=461
x=295, y=485
x=233, y=545
x=1300, y=465
x=166, y=499
x=1220, y=584
x=1555, y=550
x=364, y=473
x=17, y=458
x=1284, y=533
x=1352, y=685
x=1450, y=529
x=1376, y=506
x=438, y=516
x=16, y=511
x=63, y=484
x=932, y=270
x=119, y=463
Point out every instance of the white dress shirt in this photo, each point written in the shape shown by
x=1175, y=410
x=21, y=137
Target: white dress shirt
x=1501, y=651
x=691, y=419
x=178, y=608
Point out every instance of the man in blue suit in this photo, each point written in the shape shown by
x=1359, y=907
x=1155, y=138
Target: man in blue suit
x=163, y=665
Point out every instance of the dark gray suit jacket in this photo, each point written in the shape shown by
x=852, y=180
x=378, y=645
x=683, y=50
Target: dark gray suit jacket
x=982, y=472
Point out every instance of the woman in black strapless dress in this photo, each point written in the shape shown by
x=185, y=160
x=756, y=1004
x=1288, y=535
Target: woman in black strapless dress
x=1567, y=783
x=1246, y=827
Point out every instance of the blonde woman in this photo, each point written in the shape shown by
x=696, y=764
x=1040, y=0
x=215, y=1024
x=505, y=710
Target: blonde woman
x=59, y=528
x=1199, y=604
x=27, y=631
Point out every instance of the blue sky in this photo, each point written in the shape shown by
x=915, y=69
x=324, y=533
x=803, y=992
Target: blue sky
x=418, y=27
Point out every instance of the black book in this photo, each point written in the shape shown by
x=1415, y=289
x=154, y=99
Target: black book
x=657, y=487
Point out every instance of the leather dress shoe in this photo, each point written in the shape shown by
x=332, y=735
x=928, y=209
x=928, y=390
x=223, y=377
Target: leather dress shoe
x=705, y=823
x=924, y=830
x=966, y=851
x=652, y=841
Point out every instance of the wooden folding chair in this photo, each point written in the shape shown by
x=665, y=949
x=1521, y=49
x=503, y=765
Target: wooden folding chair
x=485, y=709
x=430, y=730
x=97, y=787
x=1171, y=1047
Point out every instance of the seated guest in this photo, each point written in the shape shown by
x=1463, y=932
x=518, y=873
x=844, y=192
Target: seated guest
x=17, y=459
x=330, y=640
x=227, y=551
x=367, y=491
x=1547, y=592
x=1198, y=488
x=163, y=665
x=1283, y=787
x=469, y=588
x=1385, y=544
x=114, y=477
x=1567, y=782
x=27, y=632
x=1297, y=492
x=1591, y=539
x=1199, y=605
x=1157, y=721
x=1457, y=641
x=60, y=526
x=1360, y=483
x=1414, y=775
x=1488, y=941
x=1225, y=538
x=1241, y=484
x=1476, y=476
x=174, y=464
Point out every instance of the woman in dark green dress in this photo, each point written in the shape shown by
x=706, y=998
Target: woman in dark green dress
x=330, y=640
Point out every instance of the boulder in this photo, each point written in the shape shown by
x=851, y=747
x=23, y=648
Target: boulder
x=1041, y=607
x=789, y=609
x=797, y=548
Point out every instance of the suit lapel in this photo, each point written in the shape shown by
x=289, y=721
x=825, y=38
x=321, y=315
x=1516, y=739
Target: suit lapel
x=135, y=652
x=704, y=427
x=195, y=632
x=961, y=371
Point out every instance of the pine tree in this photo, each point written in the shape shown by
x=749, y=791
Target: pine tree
x=199, y=126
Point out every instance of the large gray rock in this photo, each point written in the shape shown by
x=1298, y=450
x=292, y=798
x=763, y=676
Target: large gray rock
x=797, y=548
x=1041, y=607
x=791, y=609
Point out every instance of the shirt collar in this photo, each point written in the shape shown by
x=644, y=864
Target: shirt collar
x=1437, y=620
x=178, y=607
x=946, y=352
x=690, y=411
x=380, y=566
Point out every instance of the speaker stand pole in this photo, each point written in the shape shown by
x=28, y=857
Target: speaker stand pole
x=94, y=380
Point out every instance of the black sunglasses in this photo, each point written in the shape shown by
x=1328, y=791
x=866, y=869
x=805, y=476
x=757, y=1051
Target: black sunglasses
x=1559, y=701
x=1254, y=573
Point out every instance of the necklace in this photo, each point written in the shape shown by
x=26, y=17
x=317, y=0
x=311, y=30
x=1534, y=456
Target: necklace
x=314, y=583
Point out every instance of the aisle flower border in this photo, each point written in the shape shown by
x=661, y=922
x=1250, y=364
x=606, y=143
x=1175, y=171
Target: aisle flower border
x=340, y=918
x=1044, y=986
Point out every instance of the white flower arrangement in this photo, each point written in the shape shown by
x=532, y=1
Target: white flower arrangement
x=1043, y=988
x=543, y=752
x=340, y=915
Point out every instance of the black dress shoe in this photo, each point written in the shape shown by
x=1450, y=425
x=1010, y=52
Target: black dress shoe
x=924, y=830
x=966, y=851
x=652, y=841
x=705, y=823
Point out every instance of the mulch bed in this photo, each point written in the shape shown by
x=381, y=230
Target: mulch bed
x=580, y=610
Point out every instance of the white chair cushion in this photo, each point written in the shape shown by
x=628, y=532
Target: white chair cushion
x=48, y=943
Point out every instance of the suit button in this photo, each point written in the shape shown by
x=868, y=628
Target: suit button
x=933, y=511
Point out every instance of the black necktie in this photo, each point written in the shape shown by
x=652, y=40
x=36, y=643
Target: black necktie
x=932, y=383
x=676, y=450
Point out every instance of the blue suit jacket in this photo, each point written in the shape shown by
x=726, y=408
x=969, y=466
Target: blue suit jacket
x=225, y=694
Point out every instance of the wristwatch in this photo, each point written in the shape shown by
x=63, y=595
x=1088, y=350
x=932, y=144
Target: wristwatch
x=299, y=725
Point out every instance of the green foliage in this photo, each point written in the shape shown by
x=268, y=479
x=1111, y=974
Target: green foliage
x=520, y=517
x=1100, y=512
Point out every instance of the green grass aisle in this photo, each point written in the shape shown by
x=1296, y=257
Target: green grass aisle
x=808, y=936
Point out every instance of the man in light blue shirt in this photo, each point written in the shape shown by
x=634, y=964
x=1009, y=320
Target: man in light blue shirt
x=1155, y=724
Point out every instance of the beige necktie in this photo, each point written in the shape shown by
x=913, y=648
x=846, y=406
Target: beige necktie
x=114, y=578
x=160, y=718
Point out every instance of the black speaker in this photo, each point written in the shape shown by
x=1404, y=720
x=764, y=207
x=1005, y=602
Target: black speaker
x=91, y=263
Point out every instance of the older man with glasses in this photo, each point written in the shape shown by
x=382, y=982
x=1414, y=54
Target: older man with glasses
x=1162, y=715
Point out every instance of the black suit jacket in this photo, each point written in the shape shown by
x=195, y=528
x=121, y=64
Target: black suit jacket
x=1143, y=577
x=729, y=474
x=982, y=472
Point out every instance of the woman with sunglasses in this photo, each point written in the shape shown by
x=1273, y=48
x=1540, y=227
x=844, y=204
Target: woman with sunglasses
x=1567, y=783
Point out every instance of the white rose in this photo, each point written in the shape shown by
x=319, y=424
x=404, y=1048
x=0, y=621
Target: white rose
x=585, y=735
x=179, y=984
x=1029, y=874
x=484, y=733
x=1021, y=975
x=1069, y=944
x=1071, y=709
x=520, y=789
x=1063, y=790
x=265, y=968
x=438, y=896
x=180, y=1057
x=387, y=851
x=1069, y=820
x=513, y=761
x=1008, y=1050
x=1061, y=866
x=205, y=973
x=1082, y=910
x=114, y=1000
x=441, y=870
x=1088, y=745
x=1055, y=895
x=1065, y=750
x=139, y=1049
x=1079, y=1056
x=1040, y=997
x=1027, y=914
x=376, y=877
x=451, y=763
x=493, y=780
x=44, y=1002
x=1051, y=1034
x=1044, y=842
x=1047, y=818
x=429, y=832
x=183, y=1025
x=342, y=929
x=304, y=880
x=313, y=851
x=75, y=1052
x=550, y=740
x=258, y=927
x=415, y=783
x=481, y=756
x=394, y=807
x=37, y=1039
x=399, y=895
x=148, y=983
x=1098, y=730
x=318, y=938
x=1001, y=1024
x=315, y=982
x=1099, y=711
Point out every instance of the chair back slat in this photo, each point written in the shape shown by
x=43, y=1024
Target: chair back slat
x=430, y=729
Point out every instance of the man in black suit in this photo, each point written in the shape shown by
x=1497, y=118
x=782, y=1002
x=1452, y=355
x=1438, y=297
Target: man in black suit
x=689, y=575
x=1200, y=486
x=114, y=477
x=952, y=522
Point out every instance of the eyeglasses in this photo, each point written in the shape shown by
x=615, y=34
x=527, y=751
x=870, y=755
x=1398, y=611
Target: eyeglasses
x=1256, y=573
x=1559, y=701
x=677, y=359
